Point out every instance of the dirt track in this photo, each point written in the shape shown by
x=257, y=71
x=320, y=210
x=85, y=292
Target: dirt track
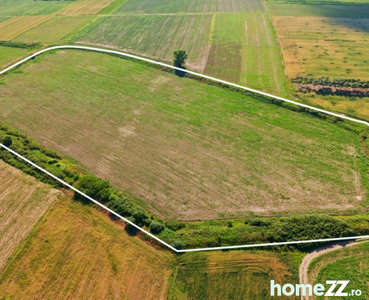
x=304, y=266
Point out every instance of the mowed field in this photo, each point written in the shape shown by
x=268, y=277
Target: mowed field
x=184, y=6
x=314, y=46
x=17, y=25
x=187, y=149
x=228, y=275
x=23, y=201
x=351, y=263
x=75, y=252
x=333, y=46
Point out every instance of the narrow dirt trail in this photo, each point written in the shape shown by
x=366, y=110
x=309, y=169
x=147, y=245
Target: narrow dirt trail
x=304, y=266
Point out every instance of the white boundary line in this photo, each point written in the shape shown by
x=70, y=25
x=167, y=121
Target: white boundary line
x=200, y=75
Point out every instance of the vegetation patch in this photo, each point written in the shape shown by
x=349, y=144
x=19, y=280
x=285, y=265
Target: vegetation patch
x=228, y=275
x=350, y=262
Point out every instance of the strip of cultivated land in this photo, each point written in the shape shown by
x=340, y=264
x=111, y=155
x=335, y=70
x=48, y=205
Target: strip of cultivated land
x=23, y=200
x=185, y=148
x=78, y=253
x=11, y=28
x=237, y=47
x=54, y=30
x=156, y=36
x=349, y=262
x=85, y=7
x=183, y=6
x=30, y=7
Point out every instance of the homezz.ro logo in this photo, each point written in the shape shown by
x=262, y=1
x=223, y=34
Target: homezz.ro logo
x=336, y=289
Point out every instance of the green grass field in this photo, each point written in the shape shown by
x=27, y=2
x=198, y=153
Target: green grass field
x=76, y=252
x=227, y=275
x=194, y=6
x=185, y=148
x=30, y=7
x=243, y=50
x=9, y=54
x=350, y=263
x=55, y=30
x=154, y=36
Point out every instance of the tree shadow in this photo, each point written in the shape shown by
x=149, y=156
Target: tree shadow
x=180, y=73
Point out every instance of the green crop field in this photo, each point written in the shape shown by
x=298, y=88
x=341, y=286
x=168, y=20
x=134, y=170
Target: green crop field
x=54, y=30
x=193, y=6
x=240, y=48
x=155, y=36
x=30, y=7
x=243, y=50
x=350, y=263
x=185, y=148
x=23, y=200
x=227, y=275
x=77, y=252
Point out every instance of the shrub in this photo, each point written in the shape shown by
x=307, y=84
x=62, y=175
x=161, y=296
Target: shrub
x=7, y=141
x=179, y=245
x=94, y=187
x=156, y=227
x=260, y=222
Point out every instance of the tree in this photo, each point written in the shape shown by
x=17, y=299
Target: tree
x=180, y=57
x=7, y=141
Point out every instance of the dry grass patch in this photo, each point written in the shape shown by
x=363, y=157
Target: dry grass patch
x=23, y=200
x=11, y=28
x=76, y=252
x=54, y=30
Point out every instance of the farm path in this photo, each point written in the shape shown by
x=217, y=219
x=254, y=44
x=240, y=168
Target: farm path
x=304, y=266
